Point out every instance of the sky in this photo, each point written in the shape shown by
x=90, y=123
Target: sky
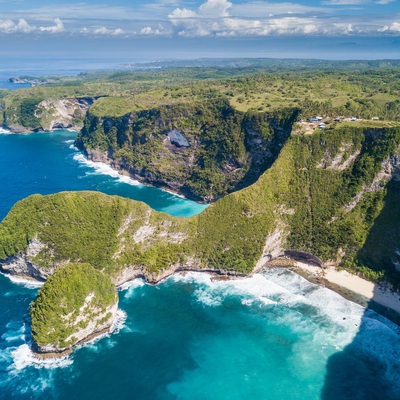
x=221, y=22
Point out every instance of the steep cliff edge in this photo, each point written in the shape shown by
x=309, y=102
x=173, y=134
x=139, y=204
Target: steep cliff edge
x=333, y=194
x=203, y=150
x=75, y=304
x=299, y=203
x=37, y=114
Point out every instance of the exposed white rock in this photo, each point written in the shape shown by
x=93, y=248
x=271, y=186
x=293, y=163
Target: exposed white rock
x=95, y=324
x=274, y=246
x=338, y=163
x=62, y=113
x=22, y=264
x=388, y=170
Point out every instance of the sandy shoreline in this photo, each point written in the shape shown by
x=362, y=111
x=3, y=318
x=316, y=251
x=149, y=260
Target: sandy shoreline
x=377, y=297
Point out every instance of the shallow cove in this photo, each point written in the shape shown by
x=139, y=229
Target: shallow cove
x=267, y=337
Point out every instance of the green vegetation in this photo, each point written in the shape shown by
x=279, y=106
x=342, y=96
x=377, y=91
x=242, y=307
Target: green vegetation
x=228, y=149
x=306, y=195
x=74, y=296
x=334, y=193
x=359, y=88
x=74, y=226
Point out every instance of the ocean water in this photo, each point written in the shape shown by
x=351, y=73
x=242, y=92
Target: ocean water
x=49, y=163
x=273, y=336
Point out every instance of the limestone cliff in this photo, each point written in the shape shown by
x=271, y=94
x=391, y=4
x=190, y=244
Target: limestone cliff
x=75, y=304
x=203, y=150
x=29, y=115
x=296, y=206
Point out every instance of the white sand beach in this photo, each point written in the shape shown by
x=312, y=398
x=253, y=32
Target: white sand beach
x=382, y=295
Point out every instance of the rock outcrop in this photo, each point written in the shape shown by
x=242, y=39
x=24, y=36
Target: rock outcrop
x=75, y=304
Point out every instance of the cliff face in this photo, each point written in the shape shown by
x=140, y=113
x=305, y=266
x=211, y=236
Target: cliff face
x=203, y=151
x=42, y=115
x=301, y=204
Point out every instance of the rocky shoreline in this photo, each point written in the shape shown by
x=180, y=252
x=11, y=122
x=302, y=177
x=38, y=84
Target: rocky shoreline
x=280, y=263
x=61, y=354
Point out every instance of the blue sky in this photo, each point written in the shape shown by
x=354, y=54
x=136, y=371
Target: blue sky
x=199, y=19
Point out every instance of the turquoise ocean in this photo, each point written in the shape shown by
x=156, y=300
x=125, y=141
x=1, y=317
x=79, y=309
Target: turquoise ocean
x=273, y=336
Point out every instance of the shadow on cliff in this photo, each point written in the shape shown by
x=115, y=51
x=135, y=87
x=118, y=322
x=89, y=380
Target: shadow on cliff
x=264, y=152
x=369, y=367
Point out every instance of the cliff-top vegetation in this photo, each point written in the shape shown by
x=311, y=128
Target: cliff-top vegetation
x=75, y=296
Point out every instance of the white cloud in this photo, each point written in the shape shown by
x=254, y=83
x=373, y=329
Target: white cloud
x=212, y=18
x=209, y=9
x=183, y=13
x=80, y=11
x=261, y=9
x=107, y=32
x=9, y=26
x=58, y=27
x=22, y=26
x=149, y=31
x=343, y=28
x=215, y=8
x=345, y=2
x=393, y=28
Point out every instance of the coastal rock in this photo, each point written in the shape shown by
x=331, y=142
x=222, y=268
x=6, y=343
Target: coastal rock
x=49, y=114
x=22, y=264
x=100, y=324
x=63, y=113
x=74, y=305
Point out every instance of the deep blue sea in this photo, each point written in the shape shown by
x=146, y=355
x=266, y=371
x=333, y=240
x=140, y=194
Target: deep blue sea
x=274, y=336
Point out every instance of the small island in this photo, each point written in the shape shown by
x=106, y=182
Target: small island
x=76, y=304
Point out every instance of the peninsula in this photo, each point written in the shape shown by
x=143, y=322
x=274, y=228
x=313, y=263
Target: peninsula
x=278, y=191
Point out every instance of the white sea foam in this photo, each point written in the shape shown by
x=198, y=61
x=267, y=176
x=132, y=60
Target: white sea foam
x=174, y=194
x=116, y=327
x=15, y=332
x=100, y=168
x=324, y=321
x=69, y=141
x=28, y=283
x=24, y=357
x=303, y=304
x=4, y=131
x=119, y=322
x=130, y=287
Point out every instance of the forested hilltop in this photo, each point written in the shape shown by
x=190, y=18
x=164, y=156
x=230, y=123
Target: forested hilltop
x=362, y=88
x=209, y=128
x=329, y=187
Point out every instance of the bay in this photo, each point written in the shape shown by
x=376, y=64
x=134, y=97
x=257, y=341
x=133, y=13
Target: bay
x=272, y=336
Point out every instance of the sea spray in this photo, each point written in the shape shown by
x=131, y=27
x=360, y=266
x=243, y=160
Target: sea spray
x=23, y=357
x=27, y=283
x=100, y=168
